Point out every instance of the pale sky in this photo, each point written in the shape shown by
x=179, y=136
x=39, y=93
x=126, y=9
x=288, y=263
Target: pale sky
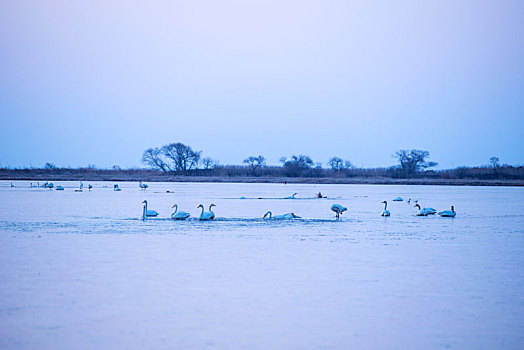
x=98, y=82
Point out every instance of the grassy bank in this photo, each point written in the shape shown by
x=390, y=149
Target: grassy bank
x=156, y=176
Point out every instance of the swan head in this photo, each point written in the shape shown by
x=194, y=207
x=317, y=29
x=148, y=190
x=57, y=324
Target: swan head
x=174, y=206
x=200, y=206
x=384, y=202
x=417, y=206
x=144, y=201
x=293, y=215
x=212, y=205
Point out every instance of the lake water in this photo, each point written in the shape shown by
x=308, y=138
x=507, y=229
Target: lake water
x=81, y=271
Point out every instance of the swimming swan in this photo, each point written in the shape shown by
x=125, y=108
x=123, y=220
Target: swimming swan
x=206, y=215
x=270, y=215
x=291, y=197
x=149, y=213
x=339, y=209
x=179, y=215
x=428, y=210
x=386, y=212
x=420, y=211
x=448, y=213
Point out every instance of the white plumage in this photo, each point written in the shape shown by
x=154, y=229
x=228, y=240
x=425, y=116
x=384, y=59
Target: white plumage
x=179, y=215
x=385, y=212
x=206, y=215
x=448, y=213
x=338, y=209
x=287, y=216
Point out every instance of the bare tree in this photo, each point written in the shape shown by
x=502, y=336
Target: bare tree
x=297, y=165
x=494, y=162
x=255, y=163
x=153, y=158
x=208, y=163
x=339, y=164
x=412, y=161
x=182, y=156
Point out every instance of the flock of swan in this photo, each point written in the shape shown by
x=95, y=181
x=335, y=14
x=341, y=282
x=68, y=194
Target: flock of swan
x=337, y=208
x=421, y=211
x=210, y=215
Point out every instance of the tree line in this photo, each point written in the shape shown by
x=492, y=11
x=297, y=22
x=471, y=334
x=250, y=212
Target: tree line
x=180, y=159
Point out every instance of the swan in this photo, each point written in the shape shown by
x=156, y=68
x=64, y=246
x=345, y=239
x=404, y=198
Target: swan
x=448, y=213
x=385, y=212
x=270, y=215
x=89, y=187
x=428, y=210
x=179, y=215
x=12, y=185
x=142, y=186
x=398, y=199
x=59, y=188
x=420, y=211
x=337, y=208
x=149, y=213
x=116, y=188
x=292, y=196
x=206, y=215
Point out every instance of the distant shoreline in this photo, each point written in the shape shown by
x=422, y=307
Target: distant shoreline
x=146, y=176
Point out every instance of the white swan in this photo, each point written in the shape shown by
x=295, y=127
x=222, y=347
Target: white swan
x=386, y=212
x=179, y=215
x=448, y=213
x=206, y=215
x=149, y=213
x=142, y=186
x=339, y=209
x=270, y=215
x=420, y=211
x=116, y=188
x=80, y=189
x=292, y=196
x=428, y=210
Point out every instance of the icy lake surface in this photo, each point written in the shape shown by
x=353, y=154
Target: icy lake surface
x=79, y=270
